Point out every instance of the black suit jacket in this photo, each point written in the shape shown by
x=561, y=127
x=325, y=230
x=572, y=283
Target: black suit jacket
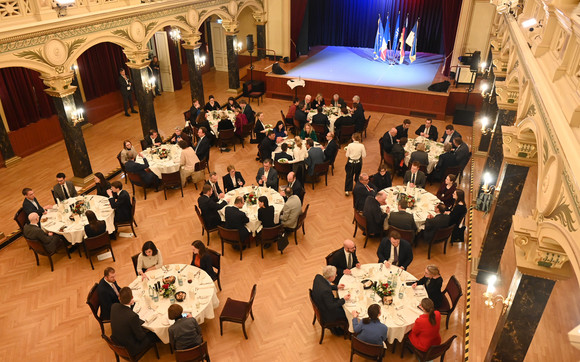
x=280, y=155
x=107, y=297
x=150, y=142
x=214, y=196
x=29, y=207
x=202, y=148
x=454, y=135
x=121, y=203
x=297, y=189
x=229, y=185
x=420, y=156
x=457, y=214
x=266, y=216
x=321, y=118
x=433, y=134
x=342, y=121
x=381, y=182
x=267, y=146
x=272, y=180
x=405, y=252
x=50, y=242
x=330, y=307
x=446, y=160
x=402, y=220
x=330, y=151
x=374, y=215
x=123, y=85
x=360, y=194
x=150, y=179
x=401, y=132
x=101, y=228
x=209, y=107
x=205, y=265
x=209, y=211
x=249, y=113
x=339, y=261
x=433, y=289
x=70, y=188
x=439, y=221
x=387, y=142
x=237, y=219
x=420, y=179
x=462, y=154
x=301, y=117
x=359, y=119
x=340, y=103
x=126, y=329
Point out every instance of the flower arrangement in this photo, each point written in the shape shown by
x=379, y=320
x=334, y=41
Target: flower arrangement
x=167, y=290
x=79, y=208
x=251, y=198
x=162, y=153
x=410, y=200
x=383, y=289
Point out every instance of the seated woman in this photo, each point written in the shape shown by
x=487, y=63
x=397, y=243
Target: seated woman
x=102, y=184
x=185, y=333
x=280, y=130
x=446, y=190
x=425, y=332
x=127, y=149
x=95, y=227
x=459, y=209
x=233, y=179
x=317, y=102
x=241, y=121
x=371, y=330
x=187, y=162
x=308, y=132
x=265, y=212
x=382, y=179
x=433, y=283
x=232, y=104
x=149, y=258
x=202, y=259
x=225, y=123
x=420, y=155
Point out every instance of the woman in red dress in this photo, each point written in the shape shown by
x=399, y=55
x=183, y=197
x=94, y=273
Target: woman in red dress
x=425, y=332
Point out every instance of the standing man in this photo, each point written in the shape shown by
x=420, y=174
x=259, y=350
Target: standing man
x=126, y=88
x=355, y=152
x=267, y=176
x=108, y=292
x=157, y=74
x=427, y=130
x=345, y=259
x=203, y=145
x=63, y=189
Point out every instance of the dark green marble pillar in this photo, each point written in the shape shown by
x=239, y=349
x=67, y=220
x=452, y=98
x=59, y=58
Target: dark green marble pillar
x=261, y=40
x=516, y=326
x=144, y=100
x=195, y=77
x=500, y=222
x=5, y=145
x=233, y=68
x=79, y=98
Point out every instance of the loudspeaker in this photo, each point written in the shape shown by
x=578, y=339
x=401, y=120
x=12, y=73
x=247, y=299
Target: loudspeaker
x=439, y=87
x=464, y=114
x=277, y=69
x=250, y=43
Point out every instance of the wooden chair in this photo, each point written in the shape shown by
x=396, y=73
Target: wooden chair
x=369, y=351
x=197, y=353
x=216, y=263
x=96, y=244
x=297, y=127
x=461, y=168
x=246, y=131
x=230, y=236
x=122, y=166
x=237, y=311
x=225, y=136
x=433, y=351
x=288, y=122
x=129, y=222
x=95, y=304
x=171, y=180
x=53, y=196
x=203, y=226
x=345, y=133
x=331, y=161
x=321, y=131
x=20, y=218
x=367, y=121
x=39, y=249
x=253, y=94
x=137, y=181
x=408, y=235
x=389, y=162
x=454, y=291
x=269, y=236
x=122, y=352
x=200, y=166
x=331, y=255
x=299, y=224
x=455, y=170
x=360, y=222
x=324, y=324
x=144, y=145
x=283, y=169
x=441, y=235
x=319, y=170
x=134, y=259
x=187, y=115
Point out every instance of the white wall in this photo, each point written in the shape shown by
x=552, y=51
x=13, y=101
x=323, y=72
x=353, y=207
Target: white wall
x=247, y=26
x=278, y=26
x=479, y=28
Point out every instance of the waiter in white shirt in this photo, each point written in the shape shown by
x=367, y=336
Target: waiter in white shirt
x=355, y=152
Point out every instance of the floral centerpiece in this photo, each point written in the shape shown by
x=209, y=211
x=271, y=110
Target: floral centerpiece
x=251, y=198
x=385, y=291
x=167, y=290
x=162, y=153
x=410, y=200
x=79, y=208
x=330, y=111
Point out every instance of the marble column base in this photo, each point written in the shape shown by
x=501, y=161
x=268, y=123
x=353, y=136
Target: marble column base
x=83, y=181
x=237, y=92
x=13, y=161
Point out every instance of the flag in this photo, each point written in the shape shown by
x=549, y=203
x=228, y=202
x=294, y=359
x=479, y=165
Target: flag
x=402, y=41
x=384, y=48
x=378, y=39
x=396, y=36
x=387, y=32
x=412, y=42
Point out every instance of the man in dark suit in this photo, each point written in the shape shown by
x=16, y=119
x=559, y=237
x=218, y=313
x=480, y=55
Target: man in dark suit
x=267, y=176
x=203, y=145
x=295, y=185
x=63, y=189
x=315, y=156
x=209, y=208
x=283, y=153
x=216, y=192
x=126, y=88
x=362, y=190
x=247, y=111
x=331, y=148
x=394, y=250
x=461, y=152
x=126, y=326
x=389, y=139
x=237, y=219
x=179, y=135
x=320, y=118
x=142, y=169
x=450, y=134
x=212, y=104
x=446, y=160
x=120, y=202
x=434, y=223
x=33, y=231
x=194, y=110
x=330, y=307
x=301, y=116
x=358, y=117
x=373, y=213
x=344, y=120
x=30, y=204
x=403, y=129
x=154, y=139
x=402, y=219
x=345, y=259
x=416, y=177
x=420, y=155
x=108, y=292
x=233, y=179
x=427, y=130
x=268, y=145
x=337, y=101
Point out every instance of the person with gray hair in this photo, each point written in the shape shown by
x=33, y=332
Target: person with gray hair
x=32, y=231
x=291, y=210
x=330, y=307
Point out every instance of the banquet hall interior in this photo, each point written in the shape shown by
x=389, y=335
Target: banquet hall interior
x=506, y=75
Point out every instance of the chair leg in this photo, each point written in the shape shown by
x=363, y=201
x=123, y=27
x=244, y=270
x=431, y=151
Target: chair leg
x=156, y=350
x=221, y=327
x=51, y=265
x=219, y=284
x=262, y=249
x=295, y=239
x=241, y=247
x=207, y=238
x=326, y=179
x=355, y=229
x=321, y=335
x=429, y=252
x=133, y=230
x=181, y=187
x=303, y=232
x=244, y=330
x=447, y=322
x=113, y=255
x=145, y=193
x=36, y=256
x=445, y=247
x=91, y=260
x=366, y=239
x=313, y=321
x=252, y=314
x=165, y=193
x=222, y=243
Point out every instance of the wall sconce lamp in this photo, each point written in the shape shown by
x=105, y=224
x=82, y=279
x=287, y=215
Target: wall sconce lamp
x=238, y=47
x=486, y=182
x=76, y=116
x=491, y=298
x=149, y=85
x=484, y=88
x=61, y=7
x=485, y=129
x=200, y=62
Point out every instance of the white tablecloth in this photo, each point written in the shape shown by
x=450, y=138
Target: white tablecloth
x=424, y=203
x=434, y=149
x=74, y=231
x=399, y=316
x=201, y=299
x=216, y=116
x=255, y=225
x=290, y=142
x=166, y=165
x=333, y=114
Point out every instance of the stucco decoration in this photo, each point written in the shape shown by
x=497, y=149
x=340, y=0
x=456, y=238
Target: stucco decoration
x=55, y=52
x=550, y=185
x=192, y=17
x=137, y=31
x=233, y=8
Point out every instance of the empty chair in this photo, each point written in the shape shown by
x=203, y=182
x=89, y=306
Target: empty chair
x=454, y=292
x=129, y=222
x=171, y=180
x=299, y=224
x=203, y=226
x=136, y=180
x=197, y=353
x=324, y=324
x=369, y=351
x=134, y=259
x=20, y=218
x=360, y=222
x=441, y=235
x=253, y=93
x=95, y=304
x=345, y=133
x=367, y=121
x=39, y=249
x=230, y=236
x=237, y=311
x=283, y=169
x=269, y=236
x=215, y=263
x=97, y=244
x=122, y=352
x=246, y=131
x=143, y=145
x=433, y=351
x=321, y=131
x=331, y=255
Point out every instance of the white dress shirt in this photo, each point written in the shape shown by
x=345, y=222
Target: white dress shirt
x=356, y=151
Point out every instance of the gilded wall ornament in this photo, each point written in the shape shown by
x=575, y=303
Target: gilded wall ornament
x=54, y=53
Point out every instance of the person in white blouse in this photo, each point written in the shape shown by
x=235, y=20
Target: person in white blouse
x=355, y=152
x=149, y=259
x=300, y=154
x=187, y=161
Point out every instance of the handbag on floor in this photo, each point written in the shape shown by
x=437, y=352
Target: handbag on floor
x=282, y=242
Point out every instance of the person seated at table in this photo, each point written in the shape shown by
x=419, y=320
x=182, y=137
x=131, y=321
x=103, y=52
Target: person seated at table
x=292, y=209
x=63, y=189
x=283, y=153
x=301, y=115
x=236, y=219
x=401, y=219
x=373, y=213
x=267, y=175
x=382, y=179
x=33, y=231
x=108, y=292
x=142, y=169
x=434, y=223
x=126, y=326
x=127, y=149
x=299, y=151
x=101, y=184
x=149, y=258
x=178, y=135
x=450, y=134
x=187, y=161
x=425, y=332
x=446, y=160
x=194, y=111
x=232, y=104
x=331, y=149
x=292, y=109
x=30, y=204
x=217, y=193
x=458, y=211
x=345, y=259
x=396, y=251
x=308, y=132
x=280, y=130
x=185, y=333
x=420, y=155
x=371, y=330
x=260, y=128
x=414, y=176
x=344, y=120
x=241, y=121
x=428, y=130
x=247, y=111
x=315, y=156
x=362, y=189
x=461, y=152
x=446, y=190
x=295, y=185
x=388, y=140
x=317, y=102
x=95, y=227
x=433, y=282
x=330, y=307
x=202, y=120
x=202, y=259
x=337, y=101
x=209, y=208
x=120, y=201
x=356, y=100
x=403, y=129
x=203, y=144
x=265, y=212
x=154, y=139
x=233, y=179
x=268, y=145
x=358, y=118
x=225, y=123
x=307, y=101
x=212, y=104
x=321, y=119
x=398, y=152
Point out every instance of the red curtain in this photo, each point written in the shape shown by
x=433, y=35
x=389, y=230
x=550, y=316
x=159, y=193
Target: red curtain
x=451, y=12
x=298, y=8
x=99, y=69
x=174, y=59
x=23, y=97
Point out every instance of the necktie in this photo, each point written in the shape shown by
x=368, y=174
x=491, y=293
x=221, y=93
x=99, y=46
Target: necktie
x=427, y=131
x=349, y=263
x=66, y=195
x=396, y=257
x=115, y=289
x=413, y=177
x=368, y=188
x=214, y=189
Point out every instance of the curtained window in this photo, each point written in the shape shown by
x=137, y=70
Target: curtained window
x=99, y=69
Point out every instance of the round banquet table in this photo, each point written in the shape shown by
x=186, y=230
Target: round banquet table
x=333, y=113
x=434, y=149
x=215, y=118
x=166, y=165
x=58, y=218
x=290, y=142
x=400, y=316
x=255, y=225
x=200, y=301
x=424, y=203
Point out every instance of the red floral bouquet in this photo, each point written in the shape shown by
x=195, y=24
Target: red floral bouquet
x=162, y=153
x=167, y=290
x=383, y=289
x=251, y=198
x=410, y=200
x=79, y=208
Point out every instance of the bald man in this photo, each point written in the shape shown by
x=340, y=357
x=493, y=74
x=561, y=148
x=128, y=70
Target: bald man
x=345, y=259
x=33, y=231
x=389, y=139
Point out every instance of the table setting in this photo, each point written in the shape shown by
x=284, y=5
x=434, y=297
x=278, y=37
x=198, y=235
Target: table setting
x=290, y=142
x=421, y=203
x=388, y=287
x=434, y=150
x=162, y=159
x=184, y=284
x=333, y=113
x=216, y=116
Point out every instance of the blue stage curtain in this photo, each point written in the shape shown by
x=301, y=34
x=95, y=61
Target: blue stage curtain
x=353, y=23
